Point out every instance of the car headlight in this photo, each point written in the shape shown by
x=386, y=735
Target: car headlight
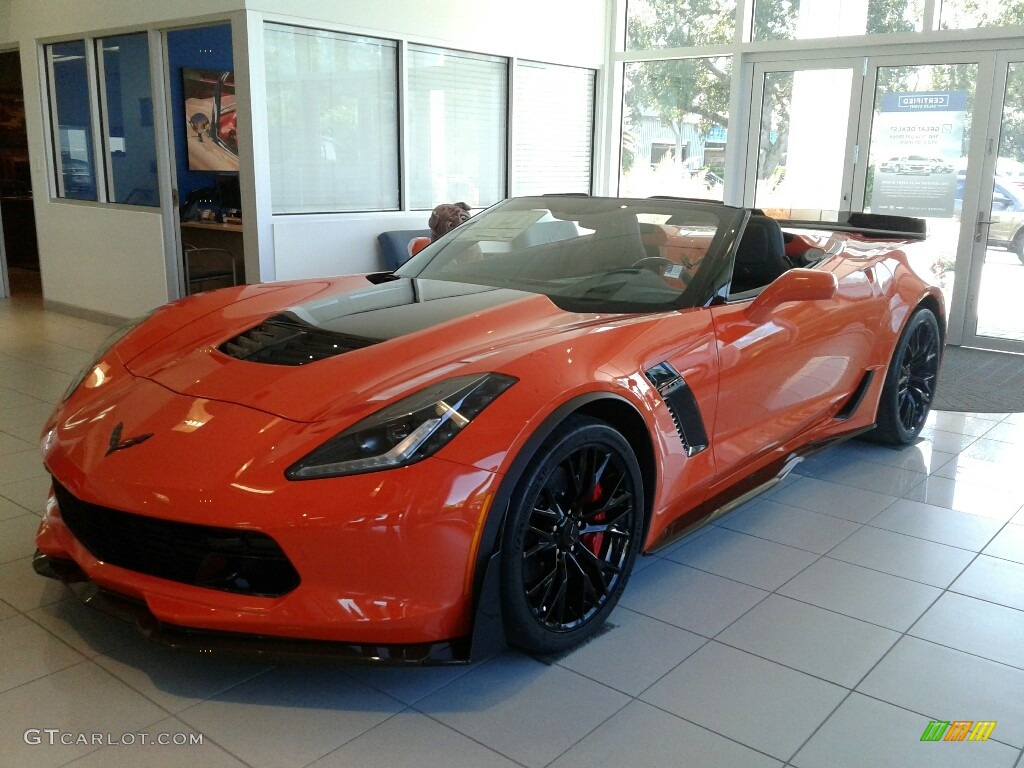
x=105, y=347
x=404, y=432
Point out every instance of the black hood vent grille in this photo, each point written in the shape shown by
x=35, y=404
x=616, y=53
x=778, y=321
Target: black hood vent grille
x=286, y=340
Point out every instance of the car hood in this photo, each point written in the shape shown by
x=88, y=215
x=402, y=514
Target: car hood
x=362, y=344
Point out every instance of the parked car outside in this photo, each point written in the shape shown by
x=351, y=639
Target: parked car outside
x=1006, y=217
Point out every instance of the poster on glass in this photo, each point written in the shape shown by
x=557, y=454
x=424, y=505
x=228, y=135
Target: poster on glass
x=211, y=122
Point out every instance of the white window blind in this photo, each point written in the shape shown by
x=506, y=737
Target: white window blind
x=332, y=109
x=457, y=104
x=553, y=129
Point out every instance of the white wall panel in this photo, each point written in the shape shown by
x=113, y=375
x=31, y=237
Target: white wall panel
x=104, y=259
x=314, y=246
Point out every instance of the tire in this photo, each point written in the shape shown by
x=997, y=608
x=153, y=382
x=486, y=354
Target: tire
x=910, y=381
x=1018, y=245
x=571, y=536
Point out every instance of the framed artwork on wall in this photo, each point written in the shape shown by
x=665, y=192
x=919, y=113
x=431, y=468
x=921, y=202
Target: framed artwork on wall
x=211, y=123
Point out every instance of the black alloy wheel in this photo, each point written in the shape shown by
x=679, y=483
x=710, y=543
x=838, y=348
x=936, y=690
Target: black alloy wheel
x=571, y=537
x=910, y=381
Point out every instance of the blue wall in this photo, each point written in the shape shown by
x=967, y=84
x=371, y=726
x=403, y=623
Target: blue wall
x=204, y=48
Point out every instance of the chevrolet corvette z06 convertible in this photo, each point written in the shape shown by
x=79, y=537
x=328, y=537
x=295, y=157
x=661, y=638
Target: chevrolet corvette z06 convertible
x=420, y=465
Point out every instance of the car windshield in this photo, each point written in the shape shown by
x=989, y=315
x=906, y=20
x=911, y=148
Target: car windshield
x=589, y=254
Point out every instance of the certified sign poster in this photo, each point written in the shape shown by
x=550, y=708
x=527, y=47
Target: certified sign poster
x=916, y=146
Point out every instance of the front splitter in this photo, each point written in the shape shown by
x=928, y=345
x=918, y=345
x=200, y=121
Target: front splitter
x=237, y=645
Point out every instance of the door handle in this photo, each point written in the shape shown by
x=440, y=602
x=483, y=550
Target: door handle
x=978, y=230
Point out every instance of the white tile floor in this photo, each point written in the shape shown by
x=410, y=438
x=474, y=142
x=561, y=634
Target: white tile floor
x=822, y=625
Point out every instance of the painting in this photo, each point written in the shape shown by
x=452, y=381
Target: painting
x=211, y=123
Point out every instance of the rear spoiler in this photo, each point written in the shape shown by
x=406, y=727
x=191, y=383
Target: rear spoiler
x=879, y=225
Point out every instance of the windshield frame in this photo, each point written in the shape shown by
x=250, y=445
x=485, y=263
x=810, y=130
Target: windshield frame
x=436, y=261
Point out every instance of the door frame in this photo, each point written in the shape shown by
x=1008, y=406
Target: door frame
x=5, y=285
x=984, y=61
x=991, y=58
x=989, y=156
x=762, y=68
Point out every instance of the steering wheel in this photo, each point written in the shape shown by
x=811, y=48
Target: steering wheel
x=649, y=262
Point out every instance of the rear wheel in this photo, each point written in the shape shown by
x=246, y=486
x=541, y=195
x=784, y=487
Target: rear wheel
x=910, y=381
x=571, y=536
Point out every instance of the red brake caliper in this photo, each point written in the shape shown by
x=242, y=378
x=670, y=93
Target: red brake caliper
x=592, y=541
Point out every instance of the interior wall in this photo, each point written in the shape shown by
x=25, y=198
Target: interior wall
x=570, y=32
x=561, y=32
x=96, y=257
x=118, y=269
x=91, y=254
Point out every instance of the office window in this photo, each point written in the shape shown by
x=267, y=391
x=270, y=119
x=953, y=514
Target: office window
x=332, y=107
x=554, y=128
x=968, y=14
x=675, y=124
x=68, y=83
x=457, y=126
x=806, y=19
x=126, y=105
x=679, y=23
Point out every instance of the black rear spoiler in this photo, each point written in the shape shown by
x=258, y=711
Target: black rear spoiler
x=880, y=225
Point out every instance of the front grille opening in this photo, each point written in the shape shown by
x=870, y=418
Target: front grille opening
x=286, y=340
x=226, y=559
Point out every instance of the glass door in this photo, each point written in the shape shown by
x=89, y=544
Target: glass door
x=993, y=316
x=917, y=120
x=803, y=120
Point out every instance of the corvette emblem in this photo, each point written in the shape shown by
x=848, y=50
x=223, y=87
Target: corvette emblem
x=117, y=444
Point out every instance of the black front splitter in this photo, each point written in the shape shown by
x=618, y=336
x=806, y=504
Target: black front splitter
x=237, y=645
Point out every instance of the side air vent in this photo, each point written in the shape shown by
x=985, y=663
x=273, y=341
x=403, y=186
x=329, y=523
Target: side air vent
x=853, y=403
x=682, y=405
x=286, y=340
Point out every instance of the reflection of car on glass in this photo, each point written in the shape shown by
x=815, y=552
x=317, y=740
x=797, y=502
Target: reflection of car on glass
x=1006, y=220
x=413, y=465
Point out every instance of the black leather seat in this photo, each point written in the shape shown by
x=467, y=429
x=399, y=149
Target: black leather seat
x=761, y=256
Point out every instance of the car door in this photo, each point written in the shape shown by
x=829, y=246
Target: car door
x=788, y=369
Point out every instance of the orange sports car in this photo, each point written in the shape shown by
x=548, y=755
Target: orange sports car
x=416, y=466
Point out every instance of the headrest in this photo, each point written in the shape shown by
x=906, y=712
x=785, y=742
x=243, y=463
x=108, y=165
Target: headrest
x=762, y=242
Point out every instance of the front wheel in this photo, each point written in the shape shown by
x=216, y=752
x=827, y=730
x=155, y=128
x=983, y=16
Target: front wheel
x=910, y=381
x=572, y=534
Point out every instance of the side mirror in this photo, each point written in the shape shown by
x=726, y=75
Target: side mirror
x=793, y=285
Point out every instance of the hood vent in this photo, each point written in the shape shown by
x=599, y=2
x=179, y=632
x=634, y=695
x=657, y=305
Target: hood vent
x=286, y=340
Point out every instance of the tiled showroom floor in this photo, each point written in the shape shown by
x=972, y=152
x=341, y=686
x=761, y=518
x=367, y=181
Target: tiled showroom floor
x=822, y=625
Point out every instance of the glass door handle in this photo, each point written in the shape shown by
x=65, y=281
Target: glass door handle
x=978, y=232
